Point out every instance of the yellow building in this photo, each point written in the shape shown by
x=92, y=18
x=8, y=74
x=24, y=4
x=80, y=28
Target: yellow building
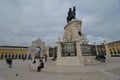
x=15, y=52
x=114, y=48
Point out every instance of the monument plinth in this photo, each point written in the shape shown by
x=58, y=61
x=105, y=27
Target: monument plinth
x=72, y=31
x=69, y=50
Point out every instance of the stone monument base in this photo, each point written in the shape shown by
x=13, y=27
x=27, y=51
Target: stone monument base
x=90, y=60
x=68, y=61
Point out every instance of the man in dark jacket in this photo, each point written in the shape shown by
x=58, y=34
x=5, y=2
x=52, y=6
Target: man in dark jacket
x=41, y=65
x=9, y=62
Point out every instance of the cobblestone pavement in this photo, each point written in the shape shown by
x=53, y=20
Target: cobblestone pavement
x=21, y=71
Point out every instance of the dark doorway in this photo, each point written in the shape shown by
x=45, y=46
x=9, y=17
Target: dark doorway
x=9, y=55
x=25, y=56
x=5, y=56
x=2, y=56
x=22, y=56
x=19, y=57
x=12, y=56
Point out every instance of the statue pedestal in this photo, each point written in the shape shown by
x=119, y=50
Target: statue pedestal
x=72, y=31
x=69, y=60
x=69, y=50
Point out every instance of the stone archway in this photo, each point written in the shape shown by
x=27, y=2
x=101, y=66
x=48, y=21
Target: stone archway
x=37, y=52
x=32, y=49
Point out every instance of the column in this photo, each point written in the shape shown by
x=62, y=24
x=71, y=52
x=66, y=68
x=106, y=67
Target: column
x=79, y=53
x=59, y=50
x=108, y=55
x=96, y=48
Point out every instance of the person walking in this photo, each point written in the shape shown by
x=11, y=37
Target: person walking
x=10, y=62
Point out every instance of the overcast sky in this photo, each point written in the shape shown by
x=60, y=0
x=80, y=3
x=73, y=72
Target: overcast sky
x=23, y=21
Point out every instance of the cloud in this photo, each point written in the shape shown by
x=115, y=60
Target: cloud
x=23, y=21
x=103, y=20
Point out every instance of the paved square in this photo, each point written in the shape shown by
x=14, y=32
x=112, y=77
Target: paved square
x=109, y=71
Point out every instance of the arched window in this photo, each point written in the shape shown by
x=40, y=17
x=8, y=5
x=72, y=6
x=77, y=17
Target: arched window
x=9, y=56
x=5, y=56
x=118, y=51
x=115, y=52
x=25, y=56
x=22, y=56
x=111, y=52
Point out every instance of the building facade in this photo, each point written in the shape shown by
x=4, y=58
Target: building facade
x=15, y=52
x=114, y=48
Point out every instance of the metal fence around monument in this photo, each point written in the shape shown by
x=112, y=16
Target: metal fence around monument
x=88, y=50
x=68, y=49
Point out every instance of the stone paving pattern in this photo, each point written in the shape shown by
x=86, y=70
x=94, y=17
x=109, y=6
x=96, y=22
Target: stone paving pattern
x=109, y=70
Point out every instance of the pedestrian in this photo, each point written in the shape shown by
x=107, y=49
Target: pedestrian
x=10, y=62
x=41, y=65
